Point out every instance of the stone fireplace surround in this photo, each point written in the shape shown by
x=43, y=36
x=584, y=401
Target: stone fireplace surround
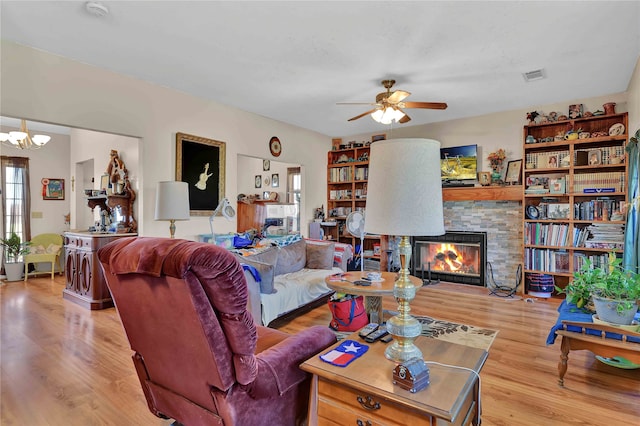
x=502, y=221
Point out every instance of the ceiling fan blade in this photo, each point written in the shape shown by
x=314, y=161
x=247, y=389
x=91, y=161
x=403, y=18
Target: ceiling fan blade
x=356, y=103
x=397, y=96
x=404, y=119
x=362, y=115
x=427, y=105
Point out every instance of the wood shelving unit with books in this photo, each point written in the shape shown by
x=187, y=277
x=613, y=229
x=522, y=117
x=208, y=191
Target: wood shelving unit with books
x=574, y=199
x=347, y=174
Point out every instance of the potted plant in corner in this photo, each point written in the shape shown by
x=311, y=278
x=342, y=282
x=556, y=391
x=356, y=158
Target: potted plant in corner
x=615, y=291
x=14, y=249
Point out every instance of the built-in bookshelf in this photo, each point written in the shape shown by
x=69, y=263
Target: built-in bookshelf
x=574, y=200
x=347, y=175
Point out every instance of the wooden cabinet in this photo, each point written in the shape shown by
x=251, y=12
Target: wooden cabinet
x=574, y=193
x=252, y=216
x=85, y=284
x=347, y=175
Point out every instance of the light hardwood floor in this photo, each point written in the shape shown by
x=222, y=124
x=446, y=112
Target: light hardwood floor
x=64, y=365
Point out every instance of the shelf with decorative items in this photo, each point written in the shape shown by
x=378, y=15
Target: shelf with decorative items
x=114, y=199
x=574, y=201
x=347, y=175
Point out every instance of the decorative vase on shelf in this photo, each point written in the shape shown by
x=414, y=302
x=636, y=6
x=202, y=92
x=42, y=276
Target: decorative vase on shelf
x=496, y=177
x=609, y=108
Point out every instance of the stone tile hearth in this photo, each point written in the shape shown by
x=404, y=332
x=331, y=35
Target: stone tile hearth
x=502, y=221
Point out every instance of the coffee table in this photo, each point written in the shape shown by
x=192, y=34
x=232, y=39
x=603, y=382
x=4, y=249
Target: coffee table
x=363, y=392
x=373, y=293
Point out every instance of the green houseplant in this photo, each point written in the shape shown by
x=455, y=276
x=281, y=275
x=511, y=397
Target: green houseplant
x=614, y=290
x=14, y=249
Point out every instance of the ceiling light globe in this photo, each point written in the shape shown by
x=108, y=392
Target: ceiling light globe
x=17, y=135
x=40, y=139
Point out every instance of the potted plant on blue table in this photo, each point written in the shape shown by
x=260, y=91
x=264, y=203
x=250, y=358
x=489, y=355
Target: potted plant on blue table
x=615, y=291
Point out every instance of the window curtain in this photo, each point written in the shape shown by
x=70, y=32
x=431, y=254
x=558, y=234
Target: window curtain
x=16, y=198
x=632, y=229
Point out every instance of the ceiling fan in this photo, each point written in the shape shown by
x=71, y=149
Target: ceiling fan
x=389, y=105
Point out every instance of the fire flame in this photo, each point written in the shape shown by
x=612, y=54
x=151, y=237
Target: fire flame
x=448, y=258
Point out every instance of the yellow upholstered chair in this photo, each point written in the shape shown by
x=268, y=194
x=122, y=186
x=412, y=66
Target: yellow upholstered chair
x=43, y=248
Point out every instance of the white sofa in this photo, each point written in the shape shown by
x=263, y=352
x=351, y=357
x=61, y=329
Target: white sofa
x=284, y=279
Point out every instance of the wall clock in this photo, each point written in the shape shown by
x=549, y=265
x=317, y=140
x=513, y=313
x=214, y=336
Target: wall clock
x=275, y=146
x=266, y=165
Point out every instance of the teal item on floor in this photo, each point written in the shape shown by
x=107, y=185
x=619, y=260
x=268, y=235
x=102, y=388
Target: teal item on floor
x=619, y=362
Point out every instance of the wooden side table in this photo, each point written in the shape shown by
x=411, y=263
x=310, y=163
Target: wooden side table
x=373, y=293
x=363, y=393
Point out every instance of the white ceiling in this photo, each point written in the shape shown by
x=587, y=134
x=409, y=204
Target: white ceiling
x=292, y=61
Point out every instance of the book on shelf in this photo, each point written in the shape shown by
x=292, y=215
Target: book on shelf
x=546, y=260
x=601, y=182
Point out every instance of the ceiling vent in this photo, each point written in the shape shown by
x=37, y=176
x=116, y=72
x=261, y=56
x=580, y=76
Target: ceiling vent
x=533, y=75
x=96, y=9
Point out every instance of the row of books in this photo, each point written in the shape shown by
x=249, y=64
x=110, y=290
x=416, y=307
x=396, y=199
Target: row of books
x=558, y=235
x=547, y=160
x=606, y=236
x=361, y=173
x=341, y=174
x=591, y=182
x=340, y=194
x=546, y=260
x=597, y=260
x=546, y=234
x=599, y=209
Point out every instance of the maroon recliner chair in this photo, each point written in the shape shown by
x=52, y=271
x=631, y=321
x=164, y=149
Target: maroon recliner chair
x=200, y=358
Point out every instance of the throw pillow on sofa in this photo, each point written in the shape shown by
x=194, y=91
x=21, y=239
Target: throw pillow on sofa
x=265, y=272
x=291, y=258
x=320, y=256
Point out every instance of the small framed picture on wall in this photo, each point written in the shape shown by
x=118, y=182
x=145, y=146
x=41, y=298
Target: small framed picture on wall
x=275, y=180
x=258, y=181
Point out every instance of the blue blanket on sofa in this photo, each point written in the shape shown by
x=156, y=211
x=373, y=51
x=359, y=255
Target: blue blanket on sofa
x=570, y=312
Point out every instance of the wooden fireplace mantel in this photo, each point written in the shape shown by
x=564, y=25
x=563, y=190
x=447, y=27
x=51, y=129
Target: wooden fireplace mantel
x=479, y=193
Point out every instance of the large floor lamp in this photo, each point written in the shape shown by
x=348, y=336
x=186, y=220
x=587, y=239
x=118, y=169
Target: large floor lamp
x=404, y=199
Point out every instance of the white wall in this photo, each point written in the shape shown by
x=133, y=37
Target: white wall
x=50, y=161
x=95, y=147
x=250, y=167
x=493, y=131
x=634, y=100
x=41, y=86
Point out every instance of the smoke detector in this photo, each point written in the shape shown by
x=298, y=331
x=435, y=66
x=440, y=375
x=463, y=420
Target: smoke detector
x=96, y=9
x=534, y=75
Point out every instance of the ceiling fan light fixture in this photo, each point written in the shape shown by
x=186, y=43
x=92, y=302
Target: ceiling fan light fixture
x=387, y=115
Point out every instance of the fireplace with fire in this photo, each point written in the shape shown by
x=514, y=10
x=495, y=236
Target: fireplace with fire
x=458, y=257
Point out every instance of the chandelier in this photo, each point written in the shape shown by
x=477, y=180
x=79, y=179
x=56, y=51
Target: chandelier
x=387, y=115
x=22, y=139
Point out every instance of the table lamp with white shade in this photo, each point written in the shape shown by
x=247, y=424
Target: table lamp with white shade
x=172, y=203
x=404, y=198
